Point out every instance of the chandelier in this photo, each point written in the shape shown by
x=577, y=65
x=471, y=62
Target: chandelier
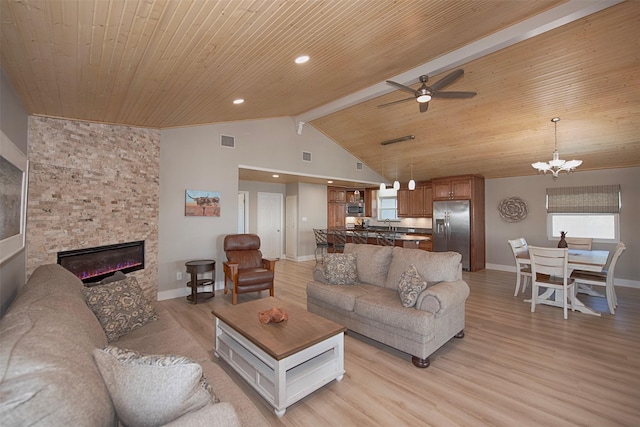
x=556, y=165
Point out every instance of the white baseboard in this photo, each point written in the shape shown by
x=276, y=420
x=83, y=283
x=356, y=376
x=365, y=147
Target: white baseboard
x=618, y=282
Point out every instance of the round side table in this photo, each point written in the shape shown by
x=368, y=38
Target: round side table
x=194, y=268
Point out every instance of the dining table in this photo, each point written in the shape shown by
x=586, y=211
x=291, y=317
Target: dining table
x=579, y=259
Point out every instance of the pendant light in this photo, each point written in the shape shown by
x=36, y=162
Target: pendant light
x=556, y=165
x=412, y=183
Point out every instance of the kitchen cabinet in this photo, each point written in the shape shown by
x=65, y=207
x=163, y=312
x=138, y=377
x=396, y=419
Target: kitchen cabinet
x=336, y=215
x=425, y=245
x=415, y=203
x=336, y=194
x=453, y=188
x=370, y=203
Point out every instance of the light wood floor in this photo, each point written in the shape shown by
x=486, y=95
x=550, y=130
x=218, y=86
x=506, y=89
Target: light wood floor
x=513, y=367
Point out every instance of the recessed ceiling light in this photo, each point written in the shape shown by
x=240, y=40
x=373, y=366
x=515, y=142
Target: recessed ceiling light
x=329, y=182
x=238, y=101
x=302, y=59
x=275, y=175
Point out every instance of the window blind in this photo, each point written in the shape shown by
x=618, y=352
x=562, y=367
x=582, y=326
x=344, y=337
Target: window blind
x=588, y=199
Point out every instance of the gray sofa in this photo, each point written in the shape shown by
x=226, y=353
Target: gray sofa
x=374, y=309
x=48, y=374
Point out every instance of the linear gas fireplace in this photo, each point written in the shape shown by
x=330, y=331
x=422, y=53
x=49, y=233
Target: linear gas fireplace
x=94, y=264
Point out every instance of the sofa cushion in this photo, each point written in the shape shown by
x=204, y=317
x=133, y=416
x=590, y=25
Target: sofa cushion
x=372, y=263
x=410, y=286
x=151, y=390
x=213, y=415
x=383, y=306
x=120, y=307
x=341, y=269
x=432, y=266
x=342, y=297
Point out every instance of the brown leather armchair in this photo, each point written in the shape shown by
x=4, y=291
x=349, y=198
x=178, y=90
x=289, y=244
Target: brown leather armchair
x=245, y=267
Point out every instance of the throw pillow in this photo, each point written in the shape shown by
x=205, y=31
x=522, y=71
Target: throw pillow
x=151, y=390
x=410, y=286
x=340, y=269
x=120, y=307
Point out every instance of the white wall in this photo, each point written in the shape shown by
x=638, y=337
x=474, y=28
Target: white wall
x=192, y=158
x=532, y=189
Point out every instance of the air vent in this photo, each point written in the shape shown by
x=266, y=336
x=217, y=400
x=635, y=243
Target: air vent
x=306, y=156
x=359, y=166
x=227, y=141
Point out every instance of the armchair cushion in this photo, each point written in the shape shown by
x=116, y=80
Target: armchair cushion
x=243, y=249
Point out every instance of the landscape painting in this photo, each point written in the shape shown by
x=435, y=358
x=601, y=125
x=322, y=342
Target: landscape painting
x=202, y=203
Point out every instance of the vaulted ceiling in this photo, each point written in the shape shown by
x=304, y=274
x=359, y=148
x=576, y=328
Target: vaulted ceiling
x=159, y=63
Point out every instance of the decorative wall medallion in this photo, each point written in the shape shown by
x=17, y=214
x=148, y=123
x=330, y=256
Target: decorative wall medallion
x=512, y=209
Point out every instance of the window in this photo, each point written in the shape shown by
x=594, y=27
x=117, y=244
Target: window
x=591, y=211
x=388, y=205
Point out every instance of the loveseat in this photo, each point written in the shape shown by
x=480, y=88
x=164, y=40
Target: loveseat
x=50, y=375
x=360, y=290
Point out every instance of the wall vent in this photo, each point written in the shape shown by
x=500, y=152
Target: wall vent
x=306, y=156
x=359, y=166
x=227, y=141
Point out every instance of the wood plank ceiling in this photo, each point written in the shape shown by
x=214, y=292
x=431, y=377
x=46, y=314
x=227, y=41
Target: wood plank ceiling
x=163, y=64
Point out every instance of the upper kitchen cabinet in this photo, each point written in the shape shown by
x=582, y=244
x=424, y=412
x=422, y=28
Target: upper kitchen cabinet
x=455, y=188
x=336, y=194
x=416, y=203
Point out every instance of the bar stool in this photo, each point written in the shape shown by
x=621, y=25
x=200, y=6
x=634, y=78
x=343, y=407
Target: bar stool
x=198, y=267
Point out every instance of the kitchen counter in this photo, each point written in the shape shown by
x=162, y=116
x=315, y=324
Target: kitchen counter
x=405, y=237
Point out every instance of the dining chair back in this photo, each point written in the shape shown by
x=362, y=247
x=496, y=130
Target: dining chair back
x=386, y=239
x=359, y=237
x=322, y=243
x=579, y=243
x=549, y=270
x=523, y=268
x=604, y=278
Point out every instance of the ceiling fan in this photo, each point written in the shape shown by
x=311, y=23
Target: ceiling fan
x=425, y=93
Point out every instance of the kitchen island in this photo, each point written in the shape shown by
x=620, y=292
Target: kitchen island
x=404, y=239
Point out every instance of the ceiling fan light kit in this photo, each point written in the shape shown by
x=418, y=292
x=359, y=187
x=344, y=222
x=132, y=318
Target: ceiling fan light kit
x=556, y=165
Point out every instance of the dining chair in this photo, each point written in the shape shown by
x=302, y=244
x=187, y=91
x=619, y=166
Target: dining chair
x=549, y=270
x=322, y=243
x=339, y=240
x=523, y=268
x=386, y=239
x=602, y=278
x=583, y=243
x=359, y=237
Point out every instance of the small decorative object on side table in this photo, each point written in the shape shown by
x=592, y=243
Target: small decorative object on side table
x=197, y=267
x=274, y=315
x=562, y=243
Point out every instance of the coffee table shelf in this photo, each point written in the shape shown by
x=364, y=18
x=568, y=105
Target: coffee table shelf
x=282, y=381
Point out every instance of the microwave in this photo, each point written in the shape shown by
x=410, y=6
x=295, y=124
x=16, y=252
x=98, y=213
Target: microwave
x=355, y=209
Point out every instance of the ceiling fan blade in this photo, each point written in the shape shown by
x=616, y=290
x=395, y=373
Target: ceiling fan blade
x=402, y=87
x=454, y=95
x=396, y=102
x=447, y=80
x=423, y=107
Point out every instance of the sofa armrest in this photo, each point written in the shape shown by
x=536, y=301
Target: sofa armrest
x=217, y=414
x=442, y=297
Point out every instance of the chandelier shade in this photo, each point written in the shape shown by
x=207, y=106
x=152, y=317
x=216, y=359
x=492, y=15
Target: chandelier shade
x=556, y=164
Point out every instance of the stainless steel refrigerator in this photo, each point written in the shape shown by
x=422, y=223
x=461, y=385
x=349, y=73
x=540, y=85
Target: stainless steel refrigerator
x=452, y=228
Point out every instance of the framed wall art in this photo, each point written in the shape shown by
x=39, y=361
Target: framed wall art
x=201, y=203
x=13, y=198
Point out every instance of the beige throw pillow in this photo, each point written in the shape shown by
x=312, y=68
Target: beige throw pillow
x=151, y=390
x=410, y=286
x=120, y=307
x=341, y=269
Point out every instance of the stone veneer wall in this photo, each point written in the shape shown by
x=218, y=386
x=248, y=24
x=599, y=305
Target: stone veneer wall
x=91, y=185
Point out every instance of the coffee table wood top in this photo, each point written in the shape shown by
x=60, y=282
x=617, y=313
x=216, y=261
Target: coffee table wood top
x=278, y=340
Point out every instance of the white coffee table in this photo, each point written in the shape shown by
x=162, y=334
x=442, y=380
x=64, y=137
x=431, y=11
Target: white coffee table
x=283, y=362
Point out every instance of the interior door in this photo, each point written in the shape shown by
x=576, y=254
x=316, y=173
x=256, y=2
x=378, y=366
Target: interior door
x=270, y=221
x=243, y=212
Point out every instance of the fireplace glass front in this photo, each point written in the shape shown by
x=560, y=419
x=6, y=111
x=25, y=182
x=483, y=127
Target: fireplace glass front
x=94, y=264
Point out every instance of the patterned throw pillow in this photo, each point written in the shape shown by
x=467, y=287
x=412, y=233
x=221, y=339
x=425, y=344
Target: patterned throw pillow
x=152, y=390
x=120, y=307
x=410, y=286
x=340, y=269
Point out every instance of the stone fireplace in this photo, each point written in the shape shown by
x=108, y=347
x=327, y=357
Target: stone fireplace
x=94, y=264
